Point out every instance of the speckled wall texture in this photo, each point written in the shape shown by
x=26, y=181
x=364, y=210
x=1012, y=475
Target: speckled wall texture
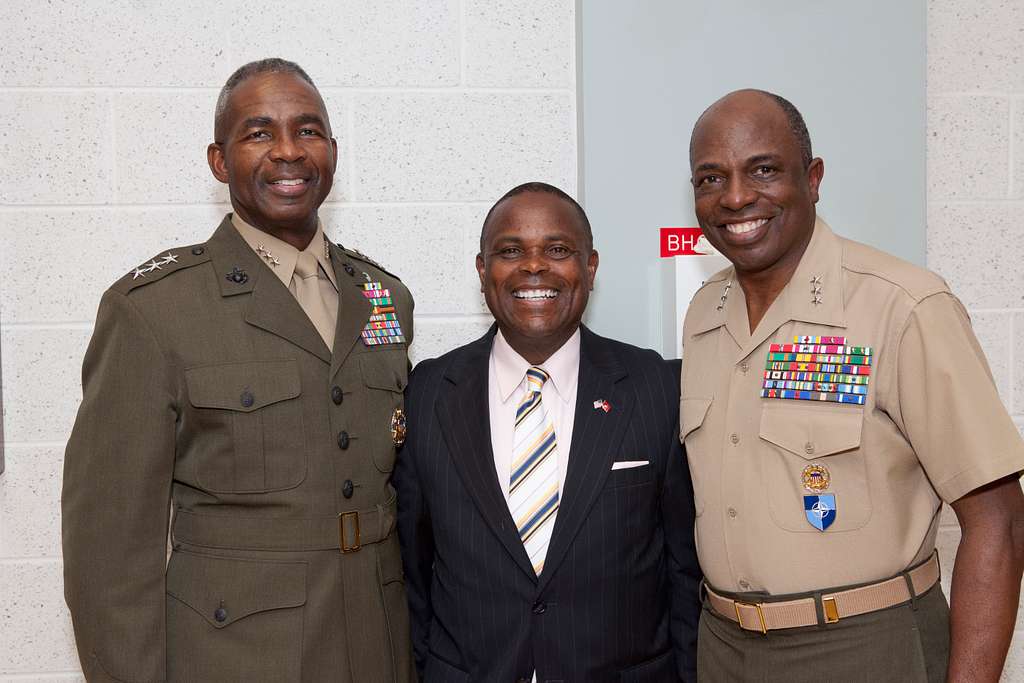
x=439, y=106
x=976, y=196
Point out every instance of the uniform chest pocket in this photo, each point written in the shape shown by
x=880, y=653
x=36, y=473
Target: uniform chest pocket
x=248, y=435
x=811, y=450
x=384, y=374
x=692, y=412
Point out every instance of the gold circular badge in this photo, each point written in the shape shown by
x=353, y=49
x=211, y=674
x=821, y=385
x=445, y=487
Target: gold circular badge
x=398, y=426
x=815, y=478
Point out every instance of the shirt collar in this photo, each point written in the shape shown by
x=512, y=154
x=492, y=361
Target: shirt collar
x=822, y=260
x=280, y=256
x=562, y=367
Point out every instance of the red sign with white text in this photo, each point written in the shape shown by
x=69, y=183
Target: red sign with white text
x=680, y=242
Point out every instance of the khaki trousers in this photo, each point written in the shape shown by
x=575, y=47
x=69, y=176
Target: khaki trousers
x=903, y=644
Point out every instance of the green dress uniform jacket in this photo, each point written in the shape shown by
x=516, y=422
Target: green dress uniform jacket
x=212, y=404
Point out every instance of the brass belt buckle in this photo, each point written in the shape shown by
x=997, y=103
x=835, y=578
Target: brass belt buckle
x=828, y=606
x=736, y=604
x=345, y=546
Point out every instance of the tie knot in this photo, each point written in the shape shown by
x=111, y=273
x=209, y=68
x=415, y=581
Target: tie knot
x=306, y=264
x=535, y=378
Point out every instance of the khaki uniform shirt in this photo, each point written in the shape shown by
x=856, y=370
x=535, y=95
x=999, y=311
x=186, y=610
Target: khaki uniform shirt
x=932, y=427
x=281, y=257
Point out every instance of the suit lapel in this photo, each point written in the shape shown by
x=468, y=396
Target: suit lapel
x=463, y=412
x=354, y=310
x=596, y=436
x=272, y=306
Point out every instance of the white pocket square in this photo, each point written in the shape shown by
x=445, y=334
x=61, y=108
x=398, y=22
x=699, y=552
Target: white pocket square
x=626, y=464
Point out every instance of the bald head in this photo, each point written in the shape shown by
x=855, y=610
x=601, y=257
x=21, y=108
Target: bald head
x=740, y=102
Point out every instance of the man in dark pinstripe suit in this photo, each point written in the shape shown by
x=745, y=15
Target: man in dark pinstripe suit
x=544, y=506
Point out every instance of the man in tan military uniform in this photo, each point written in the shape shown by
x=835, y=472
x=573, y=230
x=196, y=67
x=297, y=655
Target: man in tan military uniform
x=833, y=397
x=253, y=383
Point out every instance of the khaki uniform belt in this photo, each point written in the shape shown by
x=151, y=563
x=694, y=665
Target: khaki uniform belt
x=346, y=531
x=836, y=605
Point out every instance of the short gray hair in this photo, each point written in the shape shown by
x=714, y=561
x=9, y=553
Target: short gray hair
x=270, y=65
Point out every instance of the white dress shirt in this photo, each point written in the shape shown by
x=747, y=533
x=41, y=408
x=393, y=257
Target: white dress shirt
x=506, y=385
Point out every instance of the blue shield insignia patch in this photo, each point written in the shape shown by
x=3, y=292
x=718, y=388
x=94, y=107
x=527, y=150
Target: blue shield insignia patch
x=820, y=510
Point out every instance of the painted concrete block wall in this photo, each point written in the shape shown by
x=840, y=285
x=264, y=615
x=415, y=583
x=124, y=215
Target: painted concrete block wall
x=439, y=106
x=976, y=196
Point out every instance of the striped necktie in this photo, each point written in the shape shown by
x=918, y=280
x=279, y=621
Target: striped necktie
x=533, y=488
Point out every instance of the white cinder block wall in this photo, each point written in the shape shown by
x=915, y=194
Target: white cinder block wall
x=976, y=196
x=438, y=107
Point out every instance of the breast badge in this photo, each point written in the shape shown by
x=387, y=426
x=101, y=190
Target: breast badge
x=398, y=427
x=815, y=478
x=820, y=510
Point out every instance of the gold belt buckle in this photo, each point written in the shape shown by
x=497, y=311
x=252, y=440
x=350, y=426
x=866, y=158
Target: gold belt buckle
x=736, y=604
x=345, y=547
x=828, y=606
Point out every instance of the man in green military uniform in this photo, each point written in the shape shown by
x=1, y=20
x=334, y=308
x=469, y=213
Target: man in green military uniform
x=247, y=392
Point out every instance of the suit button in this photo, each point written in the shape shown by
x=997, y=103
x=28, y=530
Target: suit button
x=247, y=399
x=346, y=488
x=343, y=441
x=220, y=614
x=539, y=608
x=337, y=396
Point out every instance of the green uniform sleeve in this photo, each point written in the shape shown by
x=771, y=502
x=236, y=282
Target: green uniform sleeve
x=116, y=498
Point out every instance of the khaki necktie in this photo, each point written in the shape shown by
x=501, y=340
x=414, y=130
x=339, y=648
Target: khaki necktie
x=306, y=284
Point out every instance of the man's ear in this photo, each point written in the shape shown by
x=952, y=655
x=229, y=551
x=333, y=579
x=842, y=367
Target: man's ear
x=334, y=149
x=480, y=269
x=815, y=172
x=592, y=267
x=215, y=157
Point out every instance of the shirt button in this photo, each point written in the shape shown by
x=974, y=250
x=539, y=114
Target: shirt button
x=539, y=608
x=744, y=585
x=346, y=488
x=744, y=366
x=247, y=399
x=734, y=437
x=343, y=441
x=337, y=396
x=220, y=614
x=732, y=512
x=809, y=447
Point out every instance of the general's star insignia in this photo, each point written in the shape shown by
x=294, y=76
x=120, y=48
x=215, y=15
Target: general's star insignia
x=169, y=258
x=153, y=265
x=137, y=273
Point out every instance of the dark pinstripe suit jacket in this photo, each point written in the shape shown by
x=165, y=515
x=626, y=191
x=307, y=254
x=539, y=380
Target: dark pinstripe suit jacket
x=617, y=600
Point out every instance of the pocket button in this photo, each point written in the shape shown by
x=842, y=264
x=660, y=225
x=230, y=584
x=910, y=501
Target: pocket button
x=247, y=399
x=809, y=447
x=220, y=614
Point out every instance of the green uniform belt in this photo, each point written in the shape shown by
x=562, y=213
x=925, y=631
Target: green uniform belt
x=346, y=531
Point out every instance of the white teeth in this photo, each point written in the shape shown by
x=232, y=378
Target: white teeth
x=740, y=228
x=534, y=294
x=289, y=181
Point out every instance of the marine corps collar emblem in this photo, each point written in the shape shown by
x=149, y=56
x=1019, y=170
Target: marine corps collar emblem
x=815, y=478
x=398, y=427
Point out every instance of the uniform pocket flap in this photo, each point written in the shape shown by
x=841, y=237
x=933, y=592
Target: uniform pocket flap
x=389, y=372
x=224, y=590
x=812, y=432
x=244, y=386
x=691, y=414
